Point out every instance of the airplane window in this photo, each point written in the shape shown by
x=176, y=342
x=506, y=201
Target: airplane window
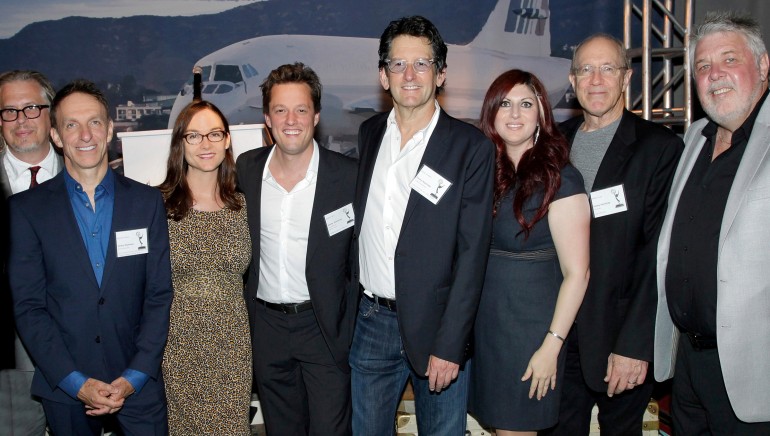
x=209, y=89
x=223, y=89
x=206, y=73
x=228, y=73
x=249, y=70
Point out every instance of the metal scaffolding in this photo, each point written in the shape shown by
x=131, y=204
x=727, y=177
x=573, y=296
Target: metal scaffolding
x=666, y=92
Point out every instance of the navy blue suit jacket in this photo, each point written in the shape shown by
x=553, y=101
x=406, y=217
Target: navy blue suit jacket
x=442, y=250
x=65, y=319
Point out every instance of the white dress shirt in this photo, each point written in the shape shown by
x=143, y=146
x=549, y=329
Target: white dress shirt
x=18, y=171
x=389, y=191
x=283, y=235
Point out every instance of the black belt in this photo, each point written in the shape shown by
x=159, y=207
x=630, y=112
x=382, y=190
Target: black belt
x=699, y=342
x=289, y=308
x=382, y=301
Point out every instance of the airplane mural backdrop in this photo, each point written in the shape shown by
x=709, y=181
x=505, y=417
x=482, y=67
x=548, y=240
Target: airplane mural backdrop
x=155, y=54
x=516, y=34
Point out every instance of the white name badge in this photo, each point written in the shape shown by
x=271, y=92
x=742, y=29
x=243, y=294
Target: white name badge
x=430, y=184
x=608, y=201
x=131, y=242
x=341, y=219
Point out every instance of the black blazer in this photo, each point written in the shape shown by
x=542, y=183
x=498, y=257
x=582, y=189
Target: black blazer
x=327, y=268
x=442, y=250
x=618, y=311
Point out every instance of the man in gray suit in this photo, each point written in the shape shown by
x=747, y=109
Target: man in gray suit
x=712, y=332
x=28, y=158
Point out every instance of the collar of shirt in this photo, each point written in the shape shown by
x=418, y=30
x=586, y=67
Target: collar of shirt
x=420, y=138
x=310, y=175
x=742, y=133
x=18, y=170
x=106, y=186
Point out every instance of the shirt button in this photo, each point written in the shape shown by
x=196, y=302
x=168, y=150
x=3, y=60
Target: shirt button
x=98, y=339
x=98, y=265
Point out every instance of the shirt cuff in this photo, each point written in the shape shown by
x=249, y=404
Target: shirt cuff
x=72, y=383
x=136, y=378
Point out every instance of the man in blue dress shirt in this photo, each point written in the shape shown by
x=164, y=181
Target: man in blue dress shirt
x=91, y=279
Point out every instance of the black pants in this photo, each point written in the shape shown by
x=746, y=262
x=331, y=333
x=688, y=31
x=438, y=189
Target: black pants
x=699, y=401
x=301, y=389
x=620, y=415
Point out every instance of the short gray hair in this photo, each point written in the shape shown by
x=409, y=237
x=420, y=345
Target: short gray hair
x=729, y=21
x=29, y=75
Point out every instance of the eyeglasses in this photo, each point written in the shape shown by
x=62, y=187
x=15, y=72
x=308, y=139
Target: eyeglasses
x=604, y=70
x=31, y=112
x=399, y=65
x=195, y=138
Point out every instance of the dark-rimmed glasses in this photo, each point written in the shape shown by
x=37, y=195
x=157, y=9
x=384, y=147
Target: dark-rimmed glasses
x=31, y=112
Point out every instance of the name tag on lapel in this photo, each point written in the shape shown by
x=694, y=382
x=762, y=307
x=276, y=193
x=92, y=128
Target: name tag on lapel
x=609, y=201
x=132, y=242
x=341, y=219
x=430, y=184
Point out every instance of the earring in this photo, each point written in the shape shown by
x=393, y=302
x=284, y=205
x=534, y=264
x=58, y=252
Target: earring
x=537, y=134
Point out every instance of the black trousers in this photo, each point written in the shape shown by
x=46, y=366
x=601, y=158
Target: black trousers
x=301, y=389
x=699, y=401
x=620, y=415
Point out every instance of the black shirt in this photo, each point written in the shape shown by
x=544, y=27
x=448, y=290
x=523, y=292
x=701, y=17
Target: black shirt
x=691, y=276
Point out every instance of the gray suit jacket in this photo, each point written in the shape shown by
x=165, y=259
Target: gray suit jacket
x=743, y=291
x=5, y=185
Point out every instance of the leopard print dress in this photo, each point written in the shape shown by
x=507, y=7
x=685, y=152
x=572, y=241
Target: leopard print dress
x=207, y=361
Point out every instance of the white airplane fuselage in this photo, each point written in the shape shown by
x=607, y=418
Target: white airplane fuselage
x=348, y=71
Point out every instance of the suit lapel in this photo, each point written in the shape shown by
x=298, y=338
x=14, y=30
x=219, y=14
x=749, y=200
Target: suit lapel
x=434, y=154
x=256, y=169
x=121, y=215
x=753, y=157
x=367, y=161
x=620, y=150
x=59, y=200
x=5, y=184
x=327, y=178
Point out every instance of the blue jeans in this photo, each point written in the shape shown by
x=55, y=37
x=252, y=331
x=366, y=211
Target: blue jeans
x=379, y=370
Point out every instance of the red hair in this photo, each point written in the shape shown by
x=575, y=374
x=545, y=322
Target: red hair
x=539, y=167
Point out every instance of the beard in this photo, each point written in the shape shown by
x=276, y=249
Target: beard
x=737, y=109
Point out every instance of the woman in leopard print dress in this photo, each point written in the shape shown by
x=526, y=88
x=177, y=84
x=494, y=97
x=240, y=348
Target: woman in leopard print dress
x=207, y=361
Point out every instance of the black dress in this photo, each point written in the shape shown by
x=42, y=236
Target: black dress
x=516, y=309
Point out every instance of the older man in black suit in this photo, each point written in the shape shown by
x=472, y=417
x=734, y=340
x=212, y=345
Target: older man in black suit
x=627, y=164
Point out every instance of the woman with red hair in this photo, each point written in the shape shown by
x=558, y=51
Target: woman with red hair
x=538, y=262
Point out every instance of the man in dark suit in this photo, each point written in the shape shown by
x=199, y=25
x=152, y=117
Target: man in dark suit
x=424, y=208
x=627, y=164
x=26, y=159
x=301, y=306
x=91, y=279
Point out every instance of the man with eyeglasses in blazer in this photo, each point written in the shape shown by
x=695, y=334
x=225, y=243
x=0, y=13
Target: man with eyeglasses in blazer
x=627, y=164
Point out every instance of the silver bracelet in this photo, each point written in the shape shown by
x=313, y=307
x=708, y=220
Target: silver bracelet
x=556, y=335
